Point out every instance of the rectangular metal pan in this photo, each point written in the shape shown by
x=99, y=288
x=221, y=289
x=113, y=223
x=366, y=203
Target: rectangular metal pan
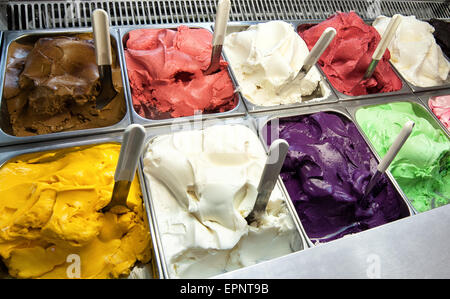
x=309, y=100
x=9, y=139
x=424, y=98
x=152, y=269
x=263, y=119
x=353, y=107
x=153, y=132
x=343, y=97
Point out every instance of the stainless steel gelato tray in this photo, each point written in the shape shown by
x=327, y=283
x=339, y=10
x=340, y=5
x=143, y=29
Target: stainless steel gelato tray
x=140, y=270
x=322, y=94
x=419, y=107
x=238, y=110
x=262, y=120
x=153, y=132
x=421, y=100
x=26, y=37
x=424, y=97
x=343, y=97
x=422, y=256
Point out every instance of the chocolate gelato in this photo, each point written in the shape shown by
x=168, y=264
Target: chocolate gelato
x=51, y=86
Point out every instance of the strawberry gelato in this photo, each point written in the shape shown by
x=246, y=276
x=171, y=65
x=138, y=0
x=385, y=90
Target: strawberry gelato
x=165, y=69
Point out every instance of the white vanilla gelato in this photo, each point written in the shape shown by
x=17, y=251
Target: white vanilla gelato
x=264, y=56
x=415, y=53
x=203, y=184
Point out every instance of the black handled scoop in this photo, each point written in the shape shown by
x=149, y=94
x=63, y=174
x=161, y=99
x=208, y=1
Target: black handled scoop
x=102, y=41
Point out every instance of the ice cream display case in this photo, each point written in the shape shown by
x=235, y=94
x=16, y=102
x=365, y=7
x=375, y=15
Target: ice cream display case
x=207, y=138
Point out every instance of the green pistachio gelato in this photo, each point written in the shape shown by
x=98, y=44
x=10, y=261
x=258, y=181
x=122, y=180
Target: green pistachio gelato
x=422, y=167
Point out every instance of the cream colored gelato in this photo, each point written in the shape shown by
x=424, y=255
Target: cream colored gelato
x=415, y=53
x=203, y=184
x=264, y=56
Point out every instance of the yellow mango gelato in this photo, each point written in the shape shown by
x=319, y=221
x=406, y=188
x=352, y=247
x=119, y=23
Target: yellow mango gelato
x=51, y=224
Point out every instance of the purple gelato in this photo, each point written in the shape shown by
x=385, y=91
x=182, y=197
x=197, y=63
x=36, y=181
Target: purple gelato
x=326, y=171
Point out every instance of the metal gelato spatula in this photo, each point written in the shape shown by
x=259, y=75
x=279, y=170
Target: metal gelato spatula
x=220, y=27
x=390, y=155
x=381, y=48
x=271, y=171
x=321, y=45
x=102, y=42
x=130, y=151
